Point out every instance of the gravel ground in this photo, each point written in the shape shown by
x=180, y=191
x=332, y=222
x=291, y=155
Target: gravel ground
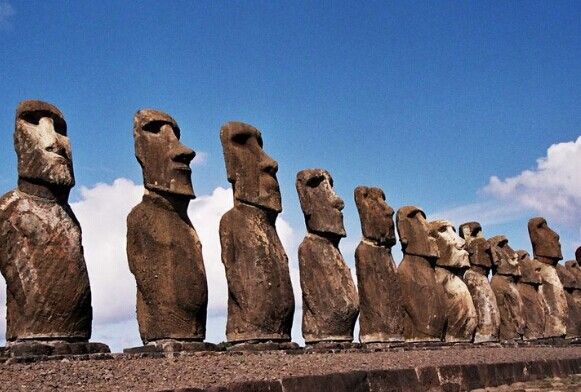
x=144, y=374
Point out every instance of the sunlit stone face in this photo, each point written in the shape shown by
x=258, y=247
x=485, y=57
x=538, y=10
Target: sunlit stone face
x=42, y=146
x=164, y=159
x=545, y=241
x=505, y=259
x=470, y=231
x=413, y=232
x=530, y=269
x=250, y=170
x=376, y=215
x=450, y=245
x=320, y=204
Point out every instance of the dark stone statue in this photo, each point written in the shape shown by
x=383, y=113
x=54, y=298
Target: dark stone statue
x=330, y=301
x=380, y=299
x=569, y=277
x=423, y=296
x=260, y=295
x=163, y=249
x=48, y=295
x=529, y=286
x=476, y=279
x=547, y=250
x=505, y=274
x=461, y=317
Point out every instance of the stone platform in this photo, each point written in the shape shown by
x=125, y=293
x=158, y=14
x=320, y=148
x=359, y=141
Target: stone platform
x=171, y=346
x=33, y=351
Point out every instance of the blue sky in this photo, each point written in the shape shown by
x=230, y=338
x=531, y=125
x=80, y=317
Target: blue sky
x=427, y=100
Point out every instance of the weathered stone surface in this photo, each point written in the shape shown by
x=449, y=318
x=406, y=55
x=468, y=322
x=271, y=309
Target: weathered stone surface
x=476, y=279
x=260, y=294
x=506, y=272
x=163, y=249
x=380, y=299
x=48, y=295
x=34, y=348
x=567, y=276
x=422, y=295
x=528, y=287
x=461, y=317
x=547, y=250
x=330, y=300
x=171, y=346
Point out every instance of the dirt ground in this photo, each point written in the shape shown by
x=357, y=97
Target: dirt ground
x=209, y=369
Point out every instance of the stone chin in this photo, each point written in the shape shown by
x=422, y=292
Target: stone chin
x=174, y=188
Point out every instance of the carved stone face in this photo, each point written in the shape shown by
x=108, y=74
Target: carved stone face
x=544, y=240
x=529, y=268
x=479, y=252
x=320, y=204
x=251, y=172
x=575, y=270
x=375, y=215
x=505, y=259
x=450, y=245
x=413, y=232
x=470, y=231
x=164, y=159
x=42, y=146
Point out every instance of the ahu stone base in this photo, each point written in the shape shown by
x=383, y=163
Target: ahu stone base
x=171, y=346
x=32, y=350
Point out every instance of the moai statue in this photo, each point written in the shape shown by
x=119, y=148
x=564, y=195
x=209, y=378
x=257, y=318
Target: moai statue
x=476, y=279
x=380, y=299
x=260, y=295
x=423, y=296
x=505, y=274
x=163, y=249
x=461, y=317
x=529, y=286
x=547, y=250
x=330, y=301
x=48, y=295
x=567, y=275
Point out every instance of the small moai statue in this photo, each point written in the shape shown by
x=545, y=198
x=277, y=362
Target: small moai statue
x=423, y=296
x=48, y=297
x=260, y=294
x=547, y=250
x=163, y=249
x=330, y=300
x=505, y=274
x=567, y=275
x=461, y=317
x=380, y=299
x=476, y=279
x=529, y=286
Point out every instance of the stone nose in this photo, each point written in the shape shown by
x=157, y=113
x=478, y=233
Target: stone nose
x=338, y=203
x=268, y=165
x=183, y=154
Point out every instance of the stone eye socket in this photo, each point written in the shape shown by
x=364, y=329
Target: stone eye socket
x=241, y=138
x=155, y=127
x=33, y=117
x=315, y=181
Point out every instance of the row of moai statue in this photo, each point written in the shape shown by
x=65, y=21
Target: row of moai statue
x=439, y=292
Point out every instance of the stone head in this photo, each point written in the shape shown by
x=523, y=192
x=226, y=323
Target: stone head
x=567, y=277
x=375, y=214
x=504, y=258
x=42, y=146
x=250, y=170
x=530, y=269
x=165, y=161
x=320, y=204
x=575, y=270
x=450, y=245
x=545, y=241
x=480, y=252
x=413, y=232
x=470, y=231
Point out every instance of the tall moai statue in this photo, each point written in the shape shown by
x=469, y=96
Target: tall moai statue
x=163, y=249
x=476, y=279
x=380, y=299
x=260, y=295
x=48, y=294
x=461, y=317
x=505, y=274
x=547, y=250
x=568, y=275
x=529, y=288
x=330, y=301
x=423, y=296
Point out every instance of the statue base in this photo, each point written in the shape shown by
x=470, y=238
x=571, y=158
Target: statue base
x=324, y=346
x=263, y=346
x=36, y=349
x=383, y=345
x=171, y=346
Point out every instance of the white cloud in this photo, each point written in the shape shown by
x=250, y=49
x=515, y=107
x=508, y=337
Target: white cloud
x=102, y=212
x=489, y=212
x=200, y=159
x=553, y=188
x=6, y=12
